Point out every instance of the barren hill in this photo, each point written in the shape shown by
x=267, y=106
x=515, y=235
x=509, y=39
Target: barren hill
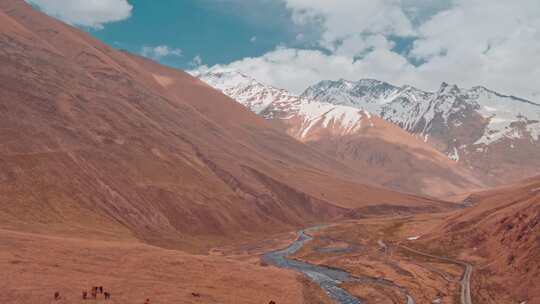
x=500, y=233
x=100, y=143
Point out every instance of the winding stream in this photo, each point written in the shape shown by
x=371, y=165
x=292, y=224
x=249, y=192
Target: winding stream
x=327, y=278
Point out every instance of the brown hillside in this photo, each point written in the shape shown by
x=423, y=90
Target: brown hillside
x=501, y=234
x=96, y=142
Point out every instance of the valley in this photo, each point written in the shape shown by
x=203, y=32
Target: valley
x=441, y=258
x=165, y=186
x=385, y=259
x=384, y=271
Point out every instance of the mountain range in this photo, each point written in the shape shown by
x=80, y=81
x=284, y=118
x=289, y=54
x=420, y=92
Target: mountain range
x=486, y=130
x=494, y=138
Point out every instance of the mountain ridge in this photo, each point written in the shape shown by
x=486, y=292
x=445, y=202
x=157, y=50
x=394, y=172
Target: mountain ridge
x=478, y=127
x=366, y=96
x=352, y=135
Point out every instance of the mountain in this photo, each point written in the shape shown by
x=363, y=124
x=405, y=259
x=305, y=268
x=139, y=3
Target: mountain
x=272, y=103
x=494, y=134
x=100, y=143
x=500, y=233
x=388, y=155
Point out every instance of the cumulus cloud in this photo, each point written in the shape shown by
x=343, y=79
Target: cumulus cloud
x=296, y=69
x=89, y=13
x=495, y=43
x=160, y=51
x=346, y=19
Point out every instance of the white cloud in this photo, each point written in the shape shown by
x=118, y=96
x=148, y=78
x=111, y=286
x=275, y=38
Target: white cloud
x=196, y=61
x=495, y=43
x=358, y=44
x=342, y=19
x=297, y=69
x=160, y=51
x=90, y=13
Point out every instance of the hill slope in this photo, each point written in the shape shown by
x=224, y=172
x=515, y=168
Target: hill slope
x=100, y=143
x=500, y=234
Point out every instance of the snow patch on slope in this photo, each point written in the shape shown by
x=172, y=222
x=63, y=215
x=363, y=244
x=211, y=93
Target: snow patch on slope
x=244, y=89
x=504, y=112
x=454, y=155
x=347, y=118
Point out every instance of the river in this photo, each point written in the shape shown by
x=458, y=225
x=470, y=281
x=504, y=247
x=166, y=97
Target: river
x=327, y=278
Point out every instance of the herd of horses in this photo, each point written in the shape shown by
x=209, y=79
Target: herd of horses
x=92, y=295
x=98, y=290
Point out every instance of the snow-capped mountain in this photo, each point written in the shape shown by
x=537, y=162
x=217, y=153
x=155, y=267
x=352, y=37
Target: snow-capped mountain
x=278, y=104
x=492, y=132
x=246, y=90
x=425, y=113
x=389, y=156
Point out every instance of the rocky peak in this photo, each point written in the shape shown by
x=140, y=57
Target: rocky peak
x=448, y=89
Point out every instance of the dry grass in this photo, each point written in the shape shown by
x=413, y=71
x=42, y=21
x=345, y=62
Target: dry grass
x=34, y=267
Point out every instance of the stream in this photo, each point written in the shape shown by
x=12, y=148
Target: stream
x=327, y=278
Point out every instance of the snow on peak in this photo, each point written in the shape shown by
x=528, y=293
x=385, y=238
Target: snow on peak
x=509, y=117
x=224, y=78
x=340, y=103
x=343, y=120
x=448, y=89
x=427, y=113
x=358, y=94
x=273, y=103
x=244, y=89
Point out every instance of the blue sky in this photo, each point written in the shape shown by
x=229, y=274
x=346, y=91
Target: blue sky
x=217, y=31
x=292, y=44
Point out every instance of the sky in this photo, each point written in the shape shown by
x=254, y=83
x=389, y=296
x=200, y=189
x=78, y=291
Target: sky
x=293, y=44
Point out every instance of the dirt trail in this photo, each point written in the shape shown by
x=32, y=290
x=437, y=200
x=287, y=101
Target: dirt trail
x=465, y=281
